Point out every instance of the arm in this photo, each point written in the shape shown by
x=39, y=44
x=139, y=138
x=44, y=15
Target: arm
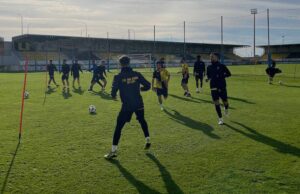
x=208, y=74
x=226, y=72
x=146, y=85
x=115, y=87
x=194, y=69
x=79, y=67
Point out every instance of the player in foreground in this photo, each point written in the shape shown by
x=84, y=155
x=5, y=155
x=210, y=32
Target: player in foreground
x=216, y=73
x=199, y=73
x=129, y=83
x=161, y=77
x=272, y=71
x=65, y=70
x=51, y=68
x=96, y=76
x=75, y=72
x=185, y=77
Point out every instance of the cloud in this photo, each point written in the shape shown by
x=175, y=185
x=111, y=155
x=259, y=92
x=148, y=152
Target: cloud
x=69, y=17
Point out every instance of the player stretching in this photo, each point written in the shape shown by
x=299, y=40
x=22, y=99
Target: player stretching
x=161, y=77
x=199, y=73
x=96, y=76
x=51, y=68
x=129, y=83
x=217, y=73
x=75, y=72
x=65, y=69
x=185, y=77
x=272, y=71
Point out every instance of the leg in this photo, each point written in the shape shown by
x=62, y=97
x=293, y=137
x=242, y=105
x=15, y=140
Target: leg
x=201, y=81
x=197, y=82
x=104, y=83
x=140, y=116
x=121, y=121
x=218, y=108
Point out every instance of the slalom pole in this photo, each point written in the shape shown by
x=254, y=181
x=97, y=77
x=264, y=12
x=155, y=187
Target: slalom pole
x=22, y=107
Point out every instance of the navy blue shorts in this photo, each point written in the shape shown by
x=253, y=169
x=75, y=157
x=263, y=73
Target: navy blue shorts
x=218, y=93
x=162, y=92
x=185, y=80
x=65, y=77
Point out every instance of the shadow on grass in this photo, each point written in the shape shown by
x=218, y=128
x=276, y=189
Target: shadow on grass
x=50, y=91
x=197, y=125
x=104, y=95
x=66, y=95
x=10, y=168
x=256, y=136
x=290, y=86
x=241, y=100
x=170, y=184
x=78, y=91
x=139, y=185
x=190, y=99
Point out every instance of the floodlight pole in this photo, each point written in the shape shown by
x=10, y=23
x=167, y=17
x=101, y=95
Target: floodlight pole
x=184, y=45
x=154, y=46
x=222, y=41
x=269, y=52
x=108, y=52
x=254, y=12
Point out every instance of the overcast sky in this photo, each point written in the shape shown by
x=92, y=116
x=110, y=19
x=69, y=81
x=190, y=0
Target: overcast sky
x=69, y=17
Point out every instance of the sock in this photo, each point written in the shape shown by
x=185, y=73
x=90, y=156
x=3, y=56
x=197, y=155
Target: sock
x=114, y=148
x=147, y=139
x=226, y=106
x=218, y=109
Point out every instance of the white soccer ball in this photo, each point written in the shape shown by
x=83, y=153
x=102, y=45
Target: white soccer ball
x=92, y=109
x=280, y=82
x=26, y=94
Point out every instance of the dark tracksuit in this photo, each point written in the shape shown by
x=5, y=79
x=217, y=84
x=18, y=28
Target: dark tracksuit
x=217, y=73
x=272, y=71
x=65, y=69
x=129, y=83
x=75, y=70
x=102, y=72
x=51, y=68
x=199, y=71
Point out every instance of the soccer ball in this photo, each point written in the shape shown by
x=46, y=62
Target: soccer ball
x=92, y=109
x=280, y=82
x=26, y=94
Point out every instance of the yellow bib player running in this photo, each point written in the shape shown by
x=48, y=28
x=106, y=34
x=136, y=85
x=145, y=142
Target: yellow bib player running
x=185, y=78
x=161, y=77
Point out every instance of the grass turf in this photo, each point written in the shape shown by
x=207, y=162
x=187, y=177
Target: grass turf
x=256, y=151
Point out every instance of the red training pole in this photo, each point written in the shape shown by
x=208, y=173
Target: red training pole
x=22, y=108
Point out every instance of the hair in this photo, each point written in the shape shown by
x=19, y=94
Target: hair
x=124, y=60
x=216, y=54
x=198, y=56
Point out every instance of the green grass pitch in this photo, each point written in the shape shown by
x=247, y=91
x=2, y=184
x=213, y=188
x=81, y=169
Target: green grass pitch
x=257, y=151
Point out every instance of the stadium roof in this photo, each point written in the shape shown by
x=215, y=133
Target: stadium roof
x=40, y=37
x=281, y=45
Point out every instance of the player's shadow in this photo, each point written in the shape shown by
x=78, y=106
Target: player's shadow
x=10, y=168
x=103, y=95
x=290, y=86
x=240, y=100
x=66, y=95
x=78, y=91
x=187, y=99
x=170, y=184
x=197, y=125
x=50, y=91
x=139, y=185
x=256, y=136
